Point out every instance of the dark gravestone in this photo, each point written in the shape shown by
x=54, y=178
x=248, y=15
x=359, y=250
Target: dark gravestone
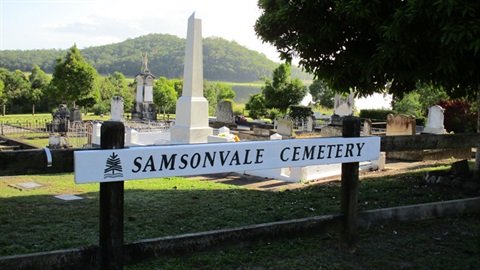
x=76, y=115
x=61, y=119
x=460, y=168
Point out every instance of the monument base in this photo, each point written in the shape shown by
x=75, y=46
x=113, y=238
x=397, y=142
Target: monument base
x=144, y=111
x=136, y=116
x=224, y=124
x=431, y=130
x=149, y=112
x=181, y=134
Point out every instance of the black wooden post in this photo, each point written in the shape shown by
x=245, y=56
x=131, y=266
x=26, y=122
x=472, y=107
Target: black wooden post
x=111, y=203
x=349, y=190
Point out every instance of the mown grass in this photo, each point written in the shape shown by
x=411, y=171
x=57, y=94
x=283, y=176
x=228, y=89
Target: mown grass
x=33, y=221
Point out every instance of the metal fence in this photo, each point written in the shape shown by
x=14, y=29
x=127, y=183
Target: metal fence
x=79, y=134
x=24, y=128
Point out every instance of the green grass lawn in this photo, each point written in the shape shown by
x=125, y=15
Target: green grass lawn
x=33, y=221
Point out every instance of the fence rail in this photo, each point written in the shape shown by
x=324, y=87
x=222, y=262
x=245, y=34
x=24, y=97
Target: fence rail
x=35, y=161
x=33, y=128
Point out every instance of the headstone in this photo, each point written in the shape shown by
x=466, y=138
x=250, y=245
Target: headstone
x=343, y=105
x=224, y=135
x=225, y=112
x=76, y=115
x=460, y=168
x=400, y=124
x=367, y=127
x=96, y=132
x=275, y=136
x=131, y=137
x=331, y=131
x=148, y=93
x=311, y=123
x=285, y=127
x=61, y=119
x=191, y=123
x=260, y=131
x=435, y=121
x=116, y=109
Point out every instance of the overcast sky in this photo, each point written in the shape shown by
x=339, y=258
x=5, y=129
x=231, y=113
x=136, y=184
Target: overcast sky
x=58, y=24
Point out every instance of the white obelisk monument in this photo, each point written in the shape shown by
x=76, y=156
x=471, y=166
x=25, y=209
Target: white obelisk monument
x=191, y=121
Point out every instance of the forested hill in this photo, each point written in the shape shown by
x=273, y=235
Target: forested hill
x=223, y=60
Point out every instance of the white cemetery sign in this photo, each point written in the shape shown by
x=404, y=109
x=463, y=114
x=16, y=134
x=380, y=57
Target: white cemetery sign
x=194, y=159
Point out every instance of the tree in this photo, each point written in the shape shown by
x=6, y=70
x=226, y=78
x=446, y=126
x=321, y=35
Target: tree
x=2, y=99
x=216, y=92
x=38, y=78
x=282, y=91
x=16, y=89
x=164, y=95
x=366, y=45
x=418, y=101
x=73, y=79
x=429, y=95
x=410, y=105
x=122, y=89
x=256, y=106
x=322, y=94
x=39, y=81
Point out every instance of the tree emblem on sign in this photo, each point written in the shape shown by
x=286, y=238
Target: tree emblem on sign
x=113, y=167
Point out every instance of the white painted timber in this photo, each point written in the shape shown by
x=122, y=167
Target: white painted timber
x=195, y=159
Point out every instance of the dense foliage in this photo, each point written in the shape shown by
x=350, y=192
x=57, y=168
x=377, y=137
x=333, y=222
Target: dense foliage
x=74, y=80
x=164, y=95
x=418, y=101
x=459, y=117
x=277, y=95
x=282, y=91
x=368, y=45
x=300, y=112
x=322, y=94
x=223, y=60
x=375, y=114
x=256, y=106
x=216, y=92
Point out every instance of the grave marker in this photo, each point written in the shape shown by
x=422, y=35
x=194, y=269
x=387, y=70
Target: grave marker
x=400, y=125
x=435, y=121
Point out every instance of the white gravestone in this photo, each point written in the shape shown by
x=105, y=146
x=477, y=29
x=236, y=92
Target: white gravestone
x=343, y=106
x=285, y=127
x=435, y=121
x=116, y=110
x=148, y=94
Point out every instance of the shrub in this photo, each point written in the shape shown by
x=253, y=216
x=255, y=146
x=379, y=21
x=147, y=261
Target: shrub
x=300, y=112
x=459, y=116
x=376, y=114
x=101, y=108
